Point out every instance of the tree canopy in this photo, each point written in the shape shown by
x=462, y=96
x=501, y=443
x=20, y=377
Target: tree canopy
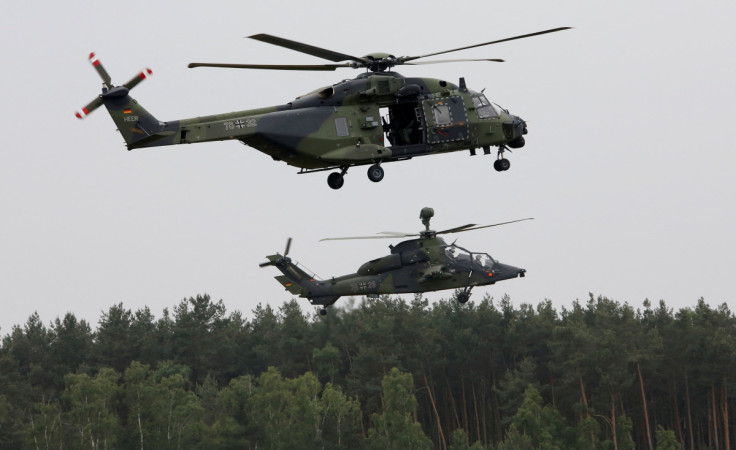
x=381, y=373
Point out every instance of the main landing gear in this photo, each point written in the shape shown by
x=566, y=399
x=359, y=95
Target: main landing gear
x=323, y=312
x=375, y=173
x=336, y=179
x=464, y=295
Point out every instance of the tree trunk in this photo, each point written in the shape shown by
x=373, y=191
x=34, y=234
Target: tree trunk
x=613, y=423
x=452, y=400
x=644, y=403
x=465, y=407
x=715, y=415
x=497, y=428
x=483, y=405
x=436, y=414
x=477, y=416
x=724, y=411
x=676, y=410
x=582, y=394
x=689, y=416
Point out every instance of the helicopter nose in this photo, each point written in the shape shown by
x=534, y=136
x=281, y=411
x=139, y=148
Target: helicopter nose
x=506, y=272
x=522, y=124
x=517, y=130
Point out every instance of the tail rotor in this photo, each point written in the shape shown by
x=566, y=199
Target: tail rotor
x=100, y=70
x=107, y=85
x=278, y=259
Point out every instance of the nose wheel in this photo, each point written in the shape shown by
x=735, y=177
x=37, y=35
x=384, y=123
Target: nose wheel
x=501, y=164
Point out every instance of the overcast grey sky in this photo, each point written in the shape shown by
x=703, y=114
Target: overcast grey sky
x=628, y=167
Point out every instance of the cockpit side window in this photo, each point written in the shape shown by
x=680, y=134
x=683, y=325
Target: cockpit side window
x=483, y=107
x=483, y=259
x=463, y=256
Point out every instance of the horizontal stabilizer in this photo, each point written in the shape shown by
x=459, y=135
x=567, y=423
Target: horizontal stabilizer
x=289, y=285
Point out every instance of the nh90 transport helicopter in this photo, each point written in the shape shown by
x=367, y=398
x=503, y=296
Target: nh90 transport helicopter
x=338, y=126
x=424, y=264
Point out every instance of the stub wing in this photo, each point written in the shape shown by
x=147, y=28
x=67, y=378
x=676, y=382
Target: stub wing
x=436, y=272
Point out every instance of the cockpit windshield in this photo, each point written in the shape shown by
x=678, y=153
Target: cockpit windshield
x=484, y=108
x=461, y=255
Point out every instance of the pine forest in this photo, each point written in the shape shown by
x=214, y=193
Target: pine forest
x=386, y=373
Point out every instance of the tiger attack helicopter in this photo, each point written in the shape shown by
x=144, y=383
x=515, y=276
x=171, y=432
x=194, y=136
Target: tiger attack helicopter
x=426, y=263
x=339, y=126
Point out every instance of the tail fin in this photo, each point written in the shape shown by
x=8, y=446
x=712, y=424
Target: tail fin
x=294, y=279
x=138, y=127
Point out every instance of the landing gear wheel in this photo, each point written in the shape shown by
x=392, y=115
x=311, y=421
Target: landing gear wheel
x=375, y=173
x=502, y=164
x=323, y=312
x=463, y=297
x=335, y=180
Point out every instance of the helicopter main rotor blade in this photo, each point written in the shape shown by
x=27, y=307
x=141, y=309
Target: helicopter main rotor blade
x=306, y=48
x=324, y=67
x=483, y=226
x=388, y=236
x=442, y=61
x=457, y=229
x=553, y=30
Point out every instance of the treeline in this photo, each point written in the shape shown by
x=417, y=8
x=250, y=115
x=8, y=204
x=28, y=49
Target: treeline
x=377, y=374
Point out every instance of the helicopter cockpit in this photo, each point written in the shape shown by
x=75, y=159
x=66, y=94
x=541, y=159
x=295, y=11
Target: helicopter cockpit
x=483, y=107
x=465, y=257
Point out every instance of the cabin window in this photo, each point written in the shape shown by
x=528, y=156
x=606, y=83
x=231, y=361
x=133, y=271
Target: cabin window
x=341, y=125
x=442, y=114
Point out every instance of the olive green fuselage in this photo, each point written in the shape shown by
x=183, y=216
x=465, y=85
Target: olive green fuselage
x=417, y=265
x=340, y=125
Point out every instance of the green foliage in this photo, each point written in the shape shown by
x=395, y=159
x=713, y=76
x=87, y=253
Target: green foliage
x=326, y=362
x=299, y=413
x=459, y=441
x=588, y=433
x=396, y=427
x=543, y=425
x=91, y=409
x=164, y=413
x=516, y=440
x=498, y=375
x=666, y=439
x=44, y=428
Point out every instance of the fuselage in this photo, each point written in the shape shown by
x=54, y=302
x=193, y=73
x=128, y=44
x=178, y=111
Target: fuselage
x=416, y=265
x=342, y=125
